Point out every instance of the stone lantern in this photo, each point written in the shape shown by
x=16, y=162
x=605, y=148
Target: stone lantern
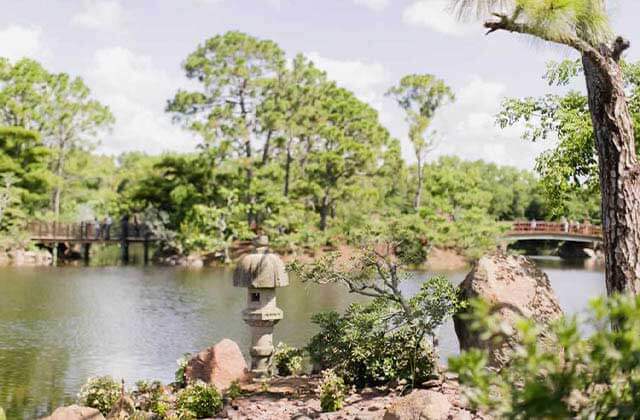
x=261, y=272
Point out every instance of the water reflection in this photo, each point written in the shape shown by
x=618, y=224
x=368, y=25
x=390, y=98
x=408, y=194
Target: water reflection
x=60, y=326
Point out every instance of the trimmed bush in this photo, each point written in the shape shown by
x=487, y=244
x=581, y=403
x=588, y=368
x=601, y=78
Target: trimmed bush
x=101, y=393
x=198, y=400
x=332, y=391
x=287, y=360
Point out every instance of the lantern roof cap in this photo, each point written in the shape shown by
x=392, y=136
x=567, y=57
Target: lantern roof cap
x=261, y=268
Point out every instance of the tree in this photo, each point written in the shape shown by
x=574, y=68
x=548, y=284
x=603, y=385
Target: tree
x=60, y=108
x=583, y=25
x=234, y=71
x=569, y=170
x=420, y=95
x=293, y=112
x=346, y=143
x=23, y=164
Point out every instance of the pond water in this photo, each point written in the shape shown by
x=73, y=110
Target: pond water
x=59, y=326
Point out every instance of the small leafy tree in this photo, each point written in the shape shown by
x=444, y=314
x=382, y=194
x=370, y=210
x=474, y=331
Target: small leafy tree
x=332, y=391
x=391, y=319
x=588, y=377
x=420, y=96
x=101, y=393
x=198, y=400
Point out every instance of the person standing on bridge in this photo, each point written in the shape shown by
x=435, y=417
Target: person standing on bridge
x=107, y=227
x=96, y=228
x=565, y=224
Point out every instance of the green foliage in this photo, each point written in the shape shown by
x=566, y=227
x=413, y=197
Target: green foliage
x=374, y=343
x=198, y=400
x=234, y=391
x=554, y=20
x=569, y=171
x=594, y=376
x=179, y=376
x=57, y=106
x=286, y=152
x=151, y=397
x=100, y=393
x=386, y=338
x=420, y=96
x=287, y=360
x=2, y=415
x=25, y=177
x=332, y=392
x=365, y=349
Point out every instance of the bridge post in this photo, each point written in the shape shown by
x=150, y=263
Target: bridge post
x=146, y=249
x=124, y=239
x=86, y=252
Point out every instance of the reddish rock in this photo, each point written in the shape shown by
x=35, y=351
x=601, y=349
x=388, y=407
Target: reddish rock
x=419, y=405
x=219, y=365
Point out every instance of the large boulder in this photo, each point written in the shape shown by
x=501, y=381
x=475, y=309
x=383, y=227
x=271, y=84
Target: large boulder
x=419, y=405
x=75, y=412
x=515, y=287
x=219, y=365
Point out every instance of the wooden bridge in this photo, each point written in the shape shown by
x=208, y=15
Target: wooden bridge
x=123, y=233
x=554, y=231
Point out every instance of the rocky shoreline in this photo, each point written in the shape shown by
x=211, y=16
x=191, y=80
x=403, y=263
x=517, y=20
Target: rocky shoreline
x=24, y=258
x=439, y=259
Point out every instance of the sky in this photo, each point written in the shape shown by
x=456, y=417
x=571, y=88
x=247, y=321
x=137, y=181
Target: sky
x=129, y=52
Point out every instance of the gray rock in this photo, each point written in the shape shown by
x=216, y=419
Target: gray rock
x=516, y=288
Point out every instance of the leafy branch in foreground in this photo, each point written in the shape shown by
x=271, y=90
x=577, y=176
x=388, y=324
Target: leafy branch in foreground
x=596, y=377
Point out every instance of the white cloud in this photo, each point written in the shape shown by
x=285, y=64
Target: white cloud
x=20, y=41
x=136, y=93
x=436, y=15
x=368, y=80
x=104, y=15
x=468, y=129
x=376, y=5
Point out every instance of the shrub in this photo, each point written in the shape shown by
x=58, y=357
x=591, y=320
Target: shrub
x=100, y=393
x=595, y=376
x=199, y=400
x=179, y=376
x=234, y=391
x=383, y=340
x=151, y=397
x=332, y=391
x=287, y=360
x=361, y=347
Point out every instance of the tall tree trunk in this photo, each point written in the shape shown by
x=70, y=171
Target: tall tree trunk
x=287, y=170
x=619, y=174
x=57, y=193
x=324, y=212
x=417, y=201
x=267, y=146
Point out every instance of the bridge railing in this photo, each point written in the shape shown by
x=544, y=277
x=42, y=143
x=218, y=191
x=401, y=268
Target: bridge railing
x=579, y=229
x=86, y=231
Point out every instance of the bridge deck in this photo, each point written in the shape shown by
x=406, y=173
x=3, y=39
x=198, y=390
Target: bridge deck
x=522, y=231
x=88, y=233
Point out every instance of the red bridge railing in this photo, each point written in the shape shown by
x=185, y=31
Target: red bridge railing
x=87, y=231
x=535, y=227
